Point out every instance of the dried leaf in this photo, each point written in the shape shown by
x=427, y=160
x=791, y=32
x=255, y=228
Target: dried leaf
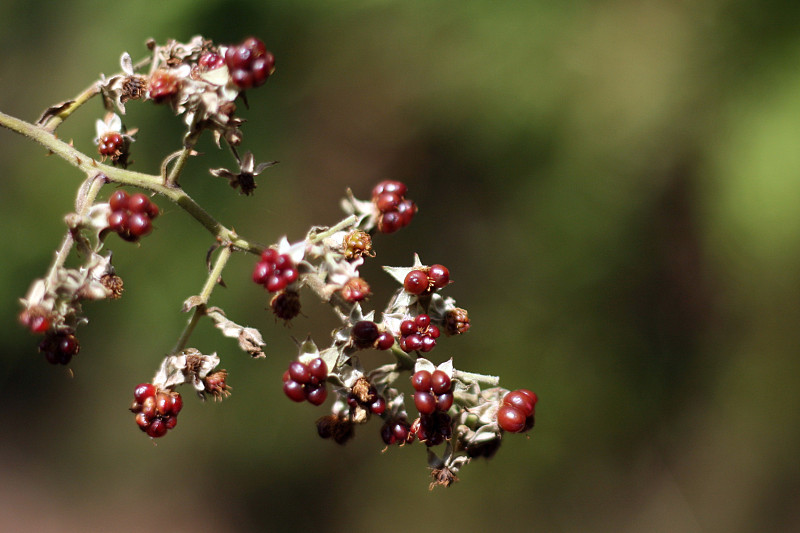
x=53, y=111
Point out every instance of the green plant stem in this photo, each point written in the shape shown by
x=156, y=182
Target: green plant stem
x=92, y=186
x=127, y=177
x=480, y=379
x=203, y=297
x=87, y=94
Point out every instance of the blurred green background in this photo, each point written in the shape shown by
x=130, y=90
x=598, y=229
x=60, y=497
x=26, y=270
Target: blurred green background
x=613, y=186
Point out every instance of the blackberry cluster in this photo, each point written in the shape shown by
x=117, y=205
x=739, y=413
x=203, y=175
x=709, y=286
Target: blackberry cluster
x=427, y=279
x=250, y=64
x=433, y=391
x=59, y=347
x=110, y=143
x=306, y=381
x=131, y=216
x=396, y=211
x=366, y=334
x=156, y=411
x=275, y=271
x=418, y=334
x=516, y=414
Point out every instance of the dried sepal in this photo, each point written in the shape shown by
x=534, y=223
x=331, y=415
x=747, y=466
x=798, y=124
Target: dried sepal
x=189, y=366
x=250, y=339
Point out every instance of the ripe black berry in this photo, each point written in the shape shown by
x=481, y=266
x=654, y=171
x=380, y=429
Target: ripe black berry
x=59, y=347
x=365, y=333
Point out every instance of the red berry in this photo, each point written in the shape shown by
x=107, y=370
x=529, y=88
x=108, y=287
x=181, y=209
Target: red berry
x=149, y=407
x=405, y=212
x=416, y=282
x=163, y=85
x=520, y=401
x=157, y=428
x=425, y=402
x=439, y=276
x=262, y=272
x=143, y=391
x=440, y=382
x=378, y=406
x=270, y=255
x=428, y=343
x=318, y=370
x=118, y=200
x=139, y=224
x=294, y=390
x=163, y=403
x=529, y=394
x=138, y=203
x=39, y=324
x=275, y=282
x=387, y=201
x=210, y=61
x=317, y=395
x=170, y=422
x=385, y=341
x=177, y=403
x=407, y=327
x=510, y=419
x=422, y=321
x=142, y=421
x=396, y=187
x=444, y=401
x=110, y=143
x=389, y=222
x=299, y=372
x=118, y=221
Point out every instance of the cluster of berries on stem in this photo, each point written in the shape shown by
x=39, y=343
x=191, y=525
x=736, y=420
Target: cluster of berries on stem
x=59, y=347
x=395, y=210
x=306, y=381
x=156, y=410
x=110, y=143
x=274, y=271
x=131, y=215
x=418, y=334
x=516, y=414
x=425, y=280
x=250, y=64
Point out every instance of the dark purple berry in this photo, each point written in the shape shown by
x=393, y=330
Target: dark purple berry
x=425, y=402
x=440, y=382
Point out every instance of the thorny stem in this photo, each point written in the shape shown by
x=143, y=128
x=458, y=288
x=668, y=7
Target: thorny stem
x=127, y=177
x=205, y=294
x=53, y=122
